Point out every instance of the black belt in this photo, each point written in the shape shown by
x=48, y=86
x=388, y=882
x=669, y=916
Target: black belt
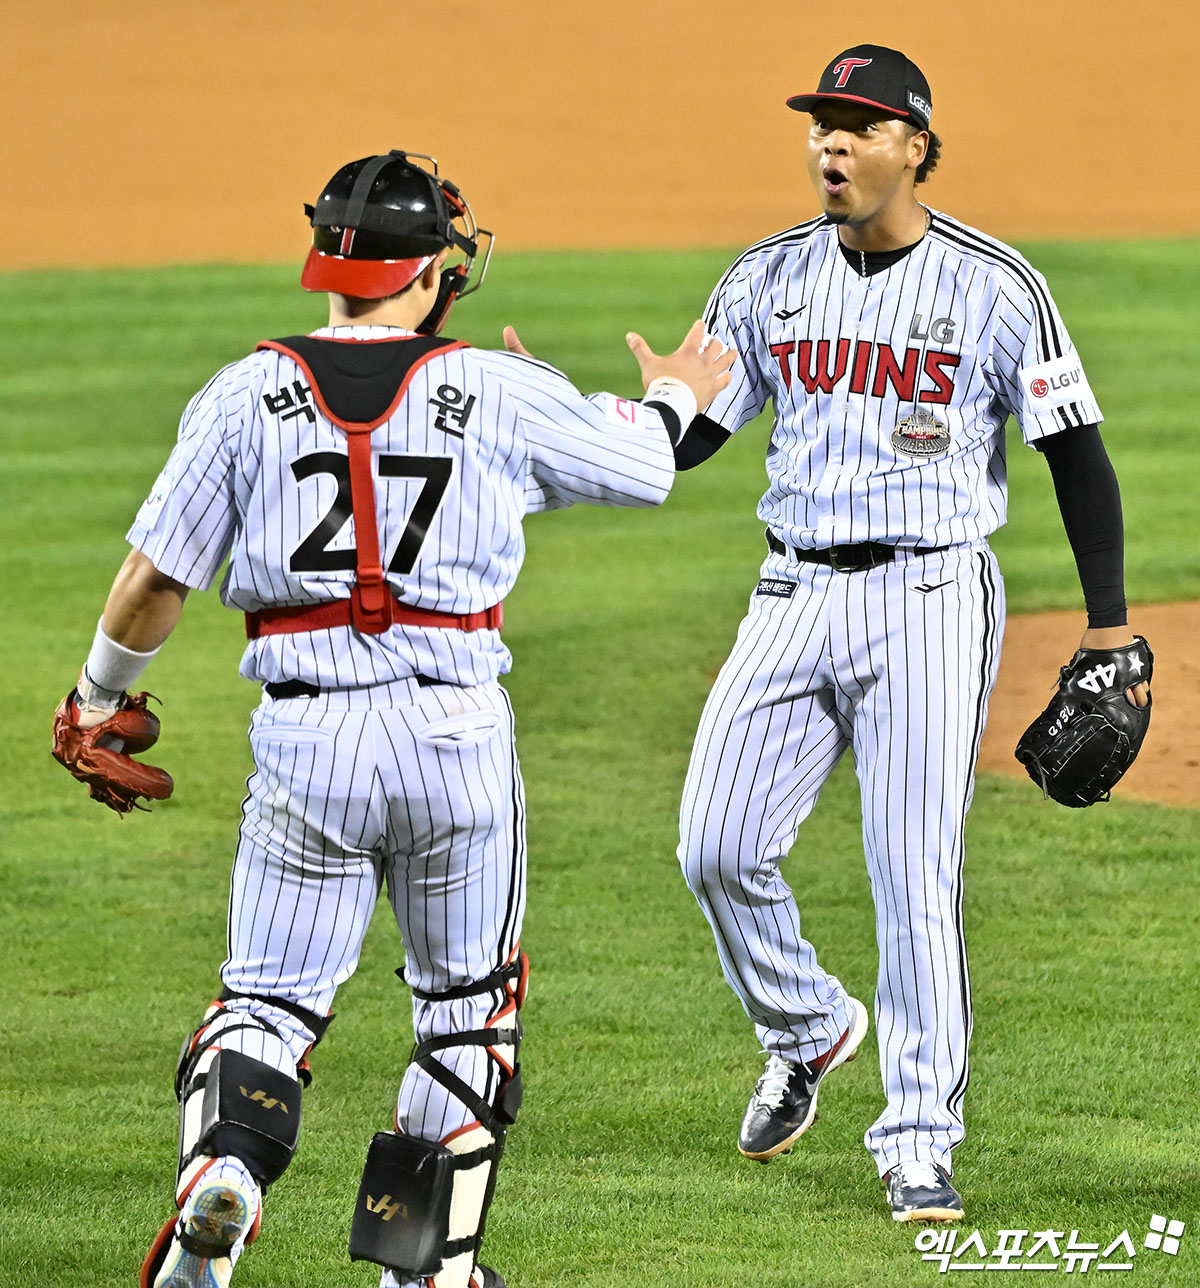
x=857, y=558
x=302, y=688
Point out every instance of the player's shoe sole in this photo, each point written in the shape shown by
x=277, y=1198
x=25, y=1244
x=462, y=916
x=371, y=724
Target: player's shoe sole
x=192, y=1250
x=768, y=1132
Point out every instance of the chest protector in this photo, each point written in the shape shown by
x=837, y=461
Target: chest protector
x=358, y=384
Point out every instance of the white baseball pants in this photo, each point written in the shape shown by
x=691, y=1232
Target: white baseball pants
x=897, y=663
x=416, y=787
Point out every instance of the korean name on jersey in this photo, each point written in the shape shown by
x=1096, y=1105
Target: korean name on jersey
x=479, y=439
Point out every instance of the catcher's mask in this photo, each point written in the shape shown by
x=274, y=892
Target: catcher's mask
x=381, y=221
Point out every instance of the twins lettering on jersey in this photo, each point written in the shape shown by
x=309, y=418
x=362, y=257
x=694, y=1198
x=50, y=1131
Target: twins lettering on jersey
x=871, y=367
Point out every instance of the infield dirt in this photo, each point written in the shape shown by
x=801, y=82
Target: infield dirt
x=149, y=133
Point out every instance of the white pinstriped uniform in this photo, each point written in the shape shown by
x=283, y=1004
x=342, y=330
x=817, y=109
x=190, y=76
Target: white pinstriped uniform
x=532, y=443
x=380, y=778
x=895, y=662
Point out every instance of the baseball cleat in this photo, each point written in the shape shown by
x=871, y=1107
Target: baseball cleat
x=922, y=1192
x=193, y=1250
x=784, y=1104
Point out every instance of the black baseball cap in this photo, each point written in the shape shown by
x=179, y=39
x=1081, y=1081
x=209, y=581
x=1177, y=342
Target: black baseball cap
x=877, y=77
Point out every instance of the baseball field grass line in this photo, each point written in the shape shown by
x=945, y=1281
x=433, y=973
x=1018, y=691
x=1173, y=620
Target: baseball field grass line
x=638, y=1061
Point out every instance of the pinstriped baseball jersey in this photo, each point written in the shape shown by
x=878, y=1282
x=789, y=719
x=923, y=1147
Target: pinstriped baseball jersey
x=891, y=391
x=479, y=440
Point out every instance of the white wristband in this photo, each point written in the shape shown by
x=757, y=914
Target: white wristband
x=111, y=668
x=675, y=394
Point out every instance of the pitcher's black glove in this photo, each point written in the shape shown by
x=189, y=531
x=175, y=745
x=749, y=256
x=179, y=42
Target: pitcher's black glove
x=1089, y=735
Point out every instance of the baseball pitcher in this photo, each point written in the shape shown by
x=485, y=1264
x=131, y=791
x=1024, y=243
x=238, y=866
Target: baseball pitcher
x=893, y=343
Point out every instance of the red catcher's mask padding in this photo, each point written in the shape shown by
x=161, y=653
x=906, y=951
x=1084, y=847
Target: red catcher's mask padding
x=368, y=279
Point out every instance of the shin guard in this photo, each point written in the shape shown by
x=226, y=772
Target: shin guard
x=231, y=1103
x=422, y=1206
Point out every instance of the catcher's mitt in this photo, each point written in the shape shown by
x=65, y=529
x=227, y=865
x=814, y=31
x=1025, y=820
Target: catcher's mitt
x=100, y=755
x=1089, y=735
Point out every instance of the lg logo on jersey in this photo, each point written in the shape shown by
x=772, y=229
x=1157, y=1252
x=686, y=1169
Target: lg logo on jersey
x=1040, y=388
x=1055, y=383
x=941, y=330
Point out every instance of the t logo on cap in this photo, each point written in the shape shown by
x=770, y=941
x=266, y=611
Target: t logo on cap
x=846, y=66
x=883, y=78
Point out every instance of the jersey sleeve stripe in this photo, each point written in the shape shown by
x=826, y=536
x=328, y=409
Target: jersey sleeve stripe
x=1051, y=341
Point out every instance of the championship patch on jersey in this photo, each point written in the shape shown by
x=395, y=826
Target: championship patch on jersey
x=776, y=588
x=921, y=435
x=624, y=413
x=1055, y=383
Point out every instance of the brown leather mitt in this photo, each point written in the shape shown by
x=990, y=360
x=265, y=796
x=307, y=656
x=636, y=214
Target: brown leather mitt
x=102, y=754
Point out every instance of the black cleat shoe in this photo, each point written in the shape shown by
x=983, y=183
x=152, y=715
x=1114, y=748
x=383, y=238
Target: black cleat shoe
x=922, y=1192
x=784, y=1104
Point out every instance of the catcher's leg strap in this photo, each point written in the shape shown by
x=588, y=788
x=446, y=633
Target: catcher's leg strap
x=499, y=1114
x=513, y=977
x=444, y=1190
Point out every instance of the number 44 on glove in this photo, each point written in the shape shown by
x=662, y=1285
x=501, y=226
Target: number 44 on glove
x=1080, y=746
x=96, y=745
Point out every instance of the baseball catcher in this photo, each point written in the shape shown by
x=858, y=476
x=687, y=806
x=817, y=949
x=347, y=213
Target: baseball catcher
x=1078, y=749
x=384, y=745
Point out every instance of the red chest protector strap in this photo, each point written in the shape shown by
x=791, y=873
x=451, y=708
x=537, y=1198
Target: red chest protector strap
x=371, y=608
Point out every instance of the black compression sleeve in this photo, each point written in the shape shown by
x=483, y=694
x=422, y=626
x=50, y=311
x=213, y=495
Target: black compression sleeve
x=1090, y=501
x=701, y=439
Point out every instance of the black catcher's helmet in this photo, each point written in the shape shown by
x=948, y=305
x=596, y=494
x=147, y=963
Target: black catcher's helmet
x=379, y=223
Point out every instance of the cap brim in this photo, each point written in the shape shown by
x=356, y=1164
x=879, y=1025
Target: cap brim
x=806, y=102
x=366, y=279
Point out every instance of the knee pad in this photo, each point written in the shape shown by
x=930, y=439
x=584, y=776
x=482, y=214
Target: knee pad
x=232, y=1103
x=422, y=1206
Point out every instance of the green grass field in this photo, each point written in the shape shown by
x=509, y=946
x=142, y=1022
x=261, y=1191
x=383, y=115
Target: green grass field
x=1082, y=925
